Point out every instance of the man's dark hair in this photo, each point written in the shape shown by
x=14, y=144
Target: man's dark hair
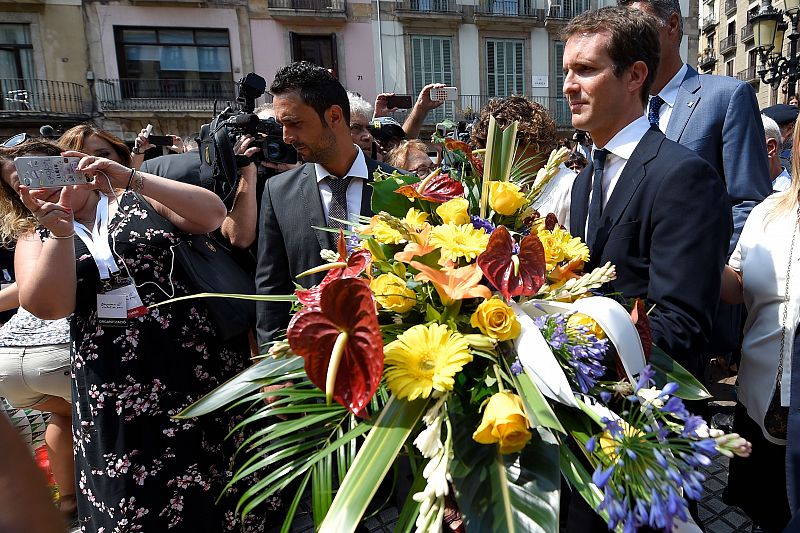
x=662, y=10
x=633, y=36
x=316, y=86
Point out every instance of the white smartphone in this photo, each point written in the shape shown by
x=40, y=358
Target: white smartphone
x=149, y=130
x=442, y=94
x=43, y=172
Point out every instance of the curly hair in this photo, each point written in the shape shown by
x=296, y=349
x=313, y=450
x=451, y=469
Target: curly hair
x=359, y=106
x=75, y=137
x=315, y=85
x=537, y=129
x=397, y=156
x=15, y=219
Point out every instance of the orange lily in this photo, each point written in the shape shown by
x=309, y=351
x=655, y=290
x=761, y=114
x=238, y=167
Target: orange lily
x=454, y=284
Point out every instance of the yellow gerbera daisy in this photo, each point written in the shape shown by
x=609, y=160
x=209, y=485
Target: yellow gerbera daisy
x=424, y=358
x=415, y=219
x=459, y=241
x=559, y=245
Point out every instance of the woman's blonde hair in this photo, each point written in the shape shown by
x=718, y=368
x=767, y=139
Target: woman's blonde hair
x=15, y=219
x=788, y=201
x=398, y=156
x=75, y=137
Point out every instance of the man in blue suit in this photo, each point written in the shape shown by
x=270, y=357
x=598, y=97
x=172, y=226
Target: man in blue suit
x=716, y=116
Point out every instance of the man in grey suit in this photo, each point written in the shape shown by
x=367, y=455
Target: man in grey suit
x=716, y=116
x=313, y=107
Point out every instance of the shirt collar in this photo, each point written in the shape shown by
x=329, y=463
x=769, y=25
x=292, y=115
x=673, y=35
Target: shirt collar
x=670, y=91
x=625, y=141
x=358, y=170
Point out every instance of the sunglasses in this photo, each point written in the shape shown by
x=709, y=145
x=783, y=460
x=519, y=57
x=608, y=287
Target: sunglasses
x=17, y=139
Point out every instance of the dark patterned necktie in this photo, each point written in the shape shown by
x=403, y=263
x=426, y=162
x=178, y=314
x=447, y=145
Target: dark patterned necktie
x=653, y=108
x=596, y=205
x=338, y=205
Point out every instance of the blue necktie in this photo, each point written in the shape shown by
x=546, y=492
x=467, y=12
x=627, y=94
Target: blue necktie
x=655, y=105
x=596, y=205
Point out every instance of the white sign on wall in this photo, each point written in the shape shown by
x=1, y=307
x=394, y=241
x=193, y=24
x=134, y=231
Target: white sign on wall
x=539, y=81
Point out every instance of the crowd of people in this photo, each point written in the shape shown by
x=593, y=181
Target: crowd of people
x=676, y=178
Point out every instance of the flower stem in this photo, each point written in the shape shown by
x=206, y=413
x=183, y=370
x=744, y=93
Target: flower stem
x=500, y=386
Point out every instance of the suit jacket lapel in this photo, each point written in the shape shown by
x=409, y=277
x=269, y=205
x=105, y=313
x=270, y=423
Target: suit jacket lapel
x=685, y=104
x=366, y=189
x=309, y=191
x=632, y=176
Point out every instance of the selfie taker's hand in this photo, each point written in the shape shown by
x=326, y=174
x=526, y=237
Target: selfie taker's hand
x=424, y=99
x=52, y=208
x=102, y=172
x=382, y=108
x=141, y=144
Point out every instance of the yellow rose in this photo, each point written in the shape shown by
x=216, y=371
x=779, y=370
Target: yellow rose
x=504, y=422
x=454, y=211
x=505, y=197
x=495, y=319
x=415, y=218
x=391, y=293
x=579, y=319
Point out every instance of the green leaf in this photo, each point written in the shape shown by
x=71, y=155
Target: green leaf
x=510, y=493
x=667, y=369
x=254, y=297
x=374, y=459
x=536, y=405
x=408, y=515
x=500, y=147
x=290, y=512
x=384, y=197
x=252, y=378
x=580, y=480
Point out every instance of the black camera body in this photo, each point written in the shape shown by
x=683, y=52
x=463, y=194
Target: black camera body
x=219, y=165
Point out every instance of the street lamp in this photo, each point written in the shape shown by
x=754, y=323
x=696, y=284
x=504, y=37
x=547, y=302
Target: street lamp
x=769, y=28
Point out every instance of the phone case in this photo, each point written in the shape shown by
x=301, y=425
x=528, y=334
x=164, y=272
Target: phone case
x=48, y=171
x=444, y=93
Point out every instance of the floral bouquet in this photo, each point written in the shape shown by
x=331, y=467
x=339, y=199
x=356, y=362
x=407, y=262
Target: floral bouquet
x=457, y=332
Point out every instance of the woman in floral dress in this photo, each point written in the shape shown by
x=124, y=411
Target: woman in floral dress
x=137, y=468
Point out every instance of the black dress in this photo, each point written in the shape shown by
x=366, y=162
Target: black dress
x=137, y=468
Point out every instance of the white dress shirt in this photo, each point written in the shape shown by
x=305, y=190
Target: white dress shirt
x=354, y=190
x=556, y=195
x=669, y=94
x=762, y=258
x=782, y=181
x=620, y=147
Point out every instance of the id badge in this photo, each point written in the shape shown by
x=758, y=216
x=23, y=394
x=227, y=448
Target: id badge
x=112, y=310
x=124, y=289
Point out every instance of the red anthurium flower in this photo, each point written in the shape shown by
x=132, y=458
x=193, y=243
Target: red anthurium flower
x=440, y=189
x=512, y=274
x=351, y=267
x=341, y=343
x=454, y=145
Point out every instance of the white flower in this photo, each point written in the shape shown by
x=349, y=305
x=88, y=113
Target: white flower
x=329, y=255
x=429, y=441
x=651, y=396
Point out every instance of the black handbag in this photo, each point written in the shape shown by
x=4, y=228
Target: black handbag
x=210, y=268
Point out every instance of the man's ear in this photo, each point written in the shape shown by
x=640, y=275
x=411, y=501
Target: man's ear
x=334, y=115
x=772, y=147
x=638, y=75
x=674, y=24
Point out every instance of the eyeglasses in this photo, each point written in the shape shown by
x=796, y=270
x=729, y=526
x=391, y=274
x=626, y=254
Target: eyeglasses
x=422, y=171
x=19, y=138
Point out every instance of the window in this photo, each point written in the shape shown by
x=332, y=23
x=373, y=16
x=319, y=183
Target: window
x=560, y=111
x=174, y=62
x=710, y=44
x=729, y=68
x=16, y=52
x=504, y=67
x=317, y=49
x=431, y=62
x=732, y=27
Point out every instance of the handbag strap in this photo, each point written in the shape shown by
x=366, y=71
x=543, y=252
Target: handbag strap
x=784, y=316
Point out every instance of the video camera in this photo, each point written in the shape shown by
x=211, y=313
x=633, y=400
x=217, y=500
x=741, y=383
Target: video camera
x=218, y=163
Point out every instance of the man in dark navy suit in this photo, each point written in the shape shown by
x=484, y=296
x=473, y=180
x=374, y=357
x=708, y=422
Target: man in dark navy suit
x=652, y=207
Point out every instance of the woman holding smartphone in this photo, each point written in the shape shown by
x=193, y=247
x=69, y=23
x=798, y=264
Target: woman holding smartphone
x=103, y=253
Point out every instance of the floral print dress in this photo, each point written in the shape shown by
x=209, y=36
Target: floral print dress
x=137, y=468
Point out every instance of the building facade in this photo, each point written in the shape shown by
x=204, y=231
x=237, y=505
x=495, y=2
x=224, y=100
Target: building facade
x=129, y=63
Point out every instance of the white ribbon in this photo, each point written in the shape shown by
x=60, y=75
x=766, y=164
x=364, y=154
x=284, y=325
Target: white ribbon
x=96, y=240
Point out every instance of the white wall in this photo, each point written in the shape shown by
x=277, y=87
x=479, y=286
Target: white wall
x=469, y=52
x=394, y=61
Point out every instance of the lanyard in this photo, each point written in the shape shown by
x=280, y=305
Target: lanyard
x=96, y=240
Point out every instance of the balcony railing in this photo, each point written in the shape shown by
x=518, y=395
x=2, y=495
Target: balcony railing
x=747, y=33
x=730, y=6
x=727, y=44
x=568, y=10
x=163, y=95
x=707, y=60
x=428, y=6
x=749, y=74
x=468, y=107
x=334, y=6
x=509, y=8
x=708, y=21
x=40, y=96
